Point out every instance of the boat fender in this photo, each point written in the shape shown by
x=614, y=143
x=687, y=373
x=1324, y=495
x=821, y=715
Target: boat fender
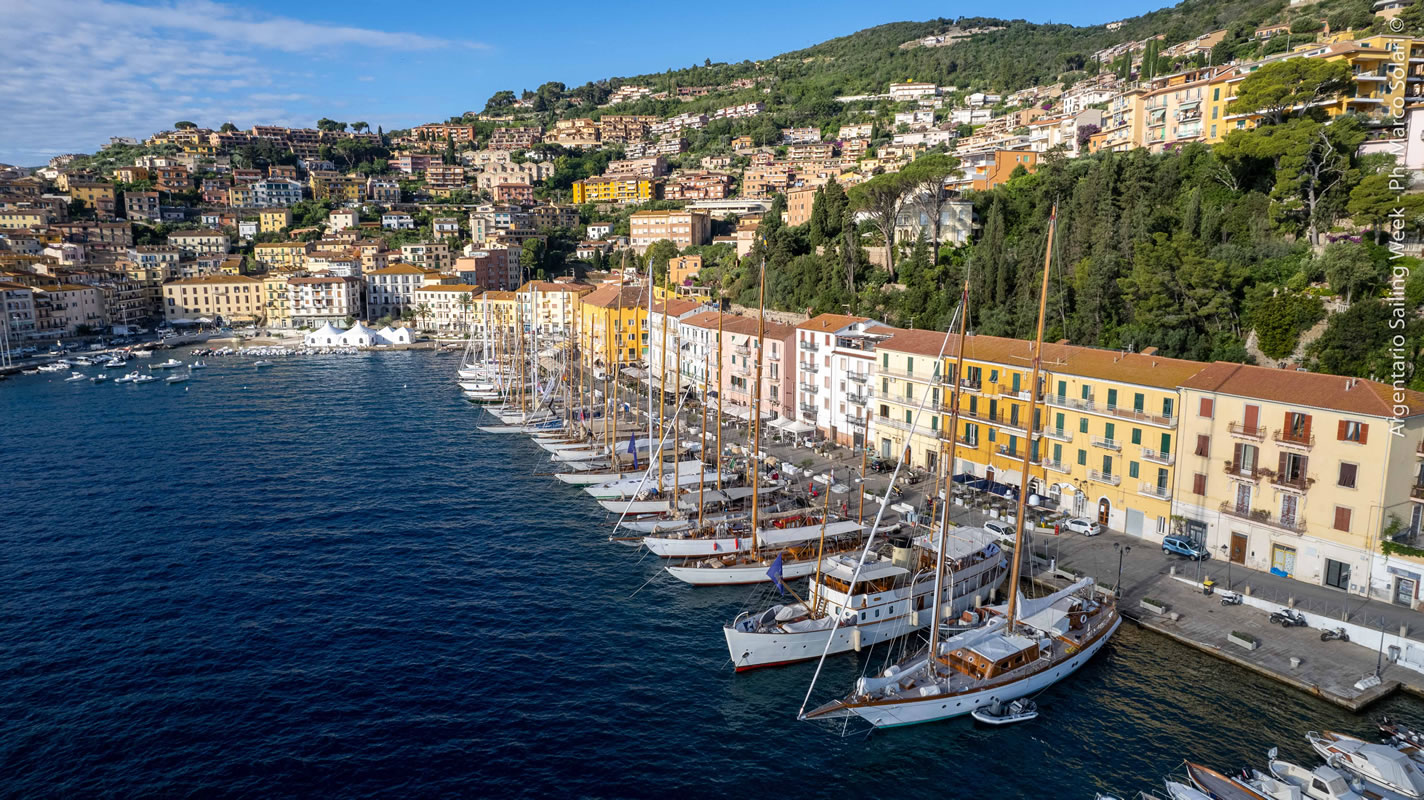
x=855, y=639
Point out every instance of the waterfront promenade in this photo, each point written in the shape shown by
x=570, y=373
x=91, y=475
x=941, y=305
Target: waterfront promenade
x=1294, y=656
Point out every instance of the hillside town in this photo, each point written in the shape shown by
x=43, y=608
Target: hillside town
x=453, y=234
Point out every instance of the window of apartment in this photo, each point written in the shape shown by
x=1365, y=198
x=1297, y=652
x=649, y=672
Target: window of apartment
x=993, y=376
x=1348, y=474
x=1108, y=430
x=1107, y=465
x=1139, y=402
x=1137, y=436
x=1057, y=453
x=1132, y=469
x=1058, y=422
x=1112, y=398
x=1082, y=458
x=884, y=411
x=1342, y=519
x=1357, y=432
x=993, y=434
x=1062, y=389
x=885, y=360
x=1168, y=407
x=1083, y=425
x=1087, y=393
x=971, y=434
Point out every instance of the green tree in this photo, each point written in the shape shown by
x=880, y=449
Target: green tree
x=227, y=127
x=360, y=127
x=924, y=179
x=327, y=124
x=1280, y=319
x=881, y=198
x=1349, y=267
x=1292, y=86
x=658, y=255
x=184, y=125
x=1355, y=342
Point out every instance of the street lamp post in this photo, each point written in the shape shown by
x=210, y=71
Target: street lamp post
x=1122, y=550
x=1226, y=553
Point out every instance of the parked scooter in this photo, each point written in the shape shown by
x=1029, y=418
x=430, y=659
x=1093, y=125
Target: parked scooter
x=1288, y=618
x=1338, y=634
x=1232, y=599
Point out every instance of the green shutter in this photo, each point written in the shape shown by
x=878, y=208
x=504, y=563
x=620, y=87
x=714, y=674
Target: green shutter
x=1137, y=436
x=1058, y=453
x=1082, y=424
x=1063, y=388
x=1082, y=458
x=1138, y=402
x=1132, y=469
x=1166, y=443
x=1058, y=422
x=1112, y=398
x=1167, y=407
x=1108, y=430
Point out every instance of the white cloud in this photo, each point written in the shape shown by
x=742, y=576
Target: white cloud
x=75, y=72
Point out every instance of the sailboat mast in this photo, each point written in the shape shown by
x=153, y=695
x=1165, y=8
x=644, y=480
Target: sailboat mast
x=720, y=418
x=816, y=596
x=864, y=446
x=662, y=371
x=702, y=446
x=949, y=472
x=756, y=404
x=1032, y=412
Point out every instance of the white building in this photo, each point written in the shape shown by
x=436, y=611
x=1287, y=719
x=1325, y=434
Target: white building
x=835, y=365
x=324, y=298
x=669, y=361
x=391, y=291
x=343, y=218
x=272, y=192
x=397, y=221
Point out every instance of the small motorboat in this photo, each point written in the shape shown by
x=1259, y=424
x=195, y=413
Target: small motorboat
x=74, y=376
x=177, y=377
x=142, y=353
x=199, y=364
x=997, y=713
x=144, y=379
x=84, y=361
x=1216, y=785
x=127, y=378
x=100, y=378
x=57, y=366
x=1288, y=781
x=115, y=363
x=171, y=363
x=260, y=364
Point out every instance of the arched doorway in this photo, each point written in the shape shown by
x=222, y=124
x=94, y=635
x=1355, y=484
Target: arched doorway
x=1104, y=511
x=989, y=474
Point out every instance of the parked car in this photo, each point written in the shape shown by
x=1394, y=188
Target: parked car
x=1084, y=526
x=1003, y=530
x=1184, y=546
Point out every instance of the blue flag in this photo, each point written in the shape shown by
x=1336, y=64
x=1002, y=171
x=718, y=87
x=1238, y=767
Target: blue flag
x=774, y=572
x=633, y=448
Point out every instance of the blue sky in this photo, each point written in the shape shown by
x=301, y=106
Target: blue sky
x=75, y=72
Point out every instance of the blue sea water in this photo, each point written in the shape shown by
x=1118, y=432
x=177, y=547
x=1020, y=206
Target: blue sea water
x=320, y=580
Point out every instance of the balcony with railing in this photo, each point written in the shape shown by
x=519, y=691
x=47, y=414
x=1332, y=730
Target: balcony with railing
x=857, y=398
x=1153, y=490
x=1294, y=524
x=1298, y=483
x=1061, y=434
x=855, y=422
x=807, y=346
x=1107, y=444
x=1156, y=456
x=808, y=409
x=932, y=379
x=742, y=350
x=971, y=385
x=772, y=355
x=1294, y=439
x=858, y=377
x=809, y=388
x=1235, y=470
x=1416, y=492
x=1006, y=421
x=1247, y=431
x=1064, y=401
x=1056, y=466
x=1104, y=477
x=808, y=366
x=1138, y=415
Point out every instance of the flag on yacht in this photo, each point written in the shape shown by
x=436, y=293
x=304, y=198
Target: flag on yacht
x=774, y=572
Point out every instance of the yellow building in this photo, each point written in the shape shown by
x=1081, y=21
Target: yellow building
x=1371, y=61
x=283, y=254
x=493, y=313
x=274, y=220
x=233, y=298
x=97, y=196
x=615, y=189
x=1303, y=474
x=1106, y=422
x=329, y=186
x=276, y=308
x=612, y=324
x=551, y=308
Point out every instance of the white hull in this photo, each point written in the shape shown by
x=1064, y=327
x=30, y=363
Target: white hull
x=932, y=709
x=629, y=487
x=674, y=547
x=738, y=576
x=636, y=506
x=750, y=649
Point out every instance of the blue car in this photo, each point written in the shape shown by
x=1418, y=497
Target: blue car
x=1184, y=546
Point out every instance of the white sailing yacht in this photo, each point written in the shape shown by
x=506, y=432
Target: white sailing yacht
x=1013, y=651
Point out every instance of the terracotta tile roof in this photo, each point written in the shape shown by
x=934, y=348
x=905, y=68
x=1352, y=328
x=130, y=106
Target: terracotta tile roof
x=450, y=287
x=215, y=278
x=706, y=319
x=607, y=296
x=1333, y=392
x=747, y=326
x=395, y=269
x=830, y=322
x=676, y=306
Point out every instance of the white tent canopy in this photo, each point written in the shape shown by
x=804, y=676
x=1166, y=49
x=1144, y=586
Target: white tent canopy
x=359, y=336
x=326, y=336
x=389, y=335
x=793, y=425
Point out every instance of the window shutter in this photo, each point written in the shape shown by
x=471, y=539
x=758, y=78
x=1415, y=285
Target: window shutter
x=1342, y=518
x=1206, y=407
x=1340, y=431
x=1306, y=430
x=1199, y=484
x=1281, y=466
x=1236, y=455
x=1364, y=433
x=1203, y=444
